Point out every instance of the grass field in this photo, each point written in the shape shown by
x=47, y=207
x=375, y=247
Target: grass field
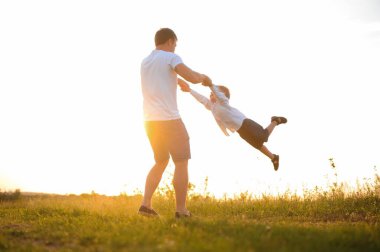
x=320, y=221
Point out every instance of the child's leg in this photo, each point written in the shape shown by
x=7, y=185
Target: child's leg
x=271, y=127
x=274, y=158
x=266, y=152
x=276, y=120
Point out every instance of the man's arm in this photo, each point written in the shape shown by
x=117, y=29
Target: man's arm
x=190, y=75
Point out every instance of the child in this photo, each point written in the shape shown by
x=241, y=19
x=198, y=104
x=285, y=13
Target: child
x=230, y=118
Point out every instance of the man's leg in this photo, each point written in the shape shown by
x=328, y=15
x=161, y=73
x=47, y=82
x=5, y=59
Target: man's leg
x=180, y=182
x=152, y=181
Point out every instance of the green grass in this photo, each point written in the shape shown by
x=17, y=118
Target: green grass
x=93, y=222
x=334, y=220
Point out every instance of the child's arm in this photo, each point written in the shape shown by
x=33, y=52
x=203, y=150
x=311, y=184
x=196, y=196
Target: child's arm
x=202, y=99
x=186, y=88
x=220, y=96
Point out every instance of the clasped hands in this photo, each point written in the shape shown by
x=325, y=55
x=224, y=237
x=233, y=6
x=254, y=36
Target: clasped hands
x=186, y=88
x=206, y=81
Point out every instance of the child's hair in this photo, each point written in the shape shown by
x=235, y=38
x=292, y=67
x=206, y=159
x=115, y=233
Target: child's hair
x=225, y=90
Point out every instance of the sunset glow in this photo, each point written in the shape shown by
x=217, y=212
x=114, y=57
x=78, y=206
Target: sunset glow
x=71, y=105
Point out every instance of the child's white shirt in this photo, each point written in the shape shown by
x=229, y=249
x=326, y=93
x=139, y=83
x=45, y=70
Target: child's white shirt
x=226, y=116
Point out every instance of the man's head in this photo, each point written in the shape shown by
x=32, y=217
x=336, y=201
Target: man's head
x=165, y=39
x=222, y=89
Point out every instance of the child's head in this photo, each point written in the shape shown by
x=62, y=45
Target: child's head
x=222, y=89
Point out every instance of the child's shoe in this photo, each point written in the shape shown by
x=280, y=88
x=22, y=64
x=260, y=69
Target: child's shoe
x=279, y=119
x=276, y=162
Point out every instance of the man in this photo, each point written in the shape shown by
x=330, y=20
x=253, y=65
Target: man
x=166, y=132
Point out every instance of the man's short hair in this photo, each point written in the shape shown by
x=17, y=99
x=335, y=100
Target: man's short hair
x=225, y=90
x=163, y=35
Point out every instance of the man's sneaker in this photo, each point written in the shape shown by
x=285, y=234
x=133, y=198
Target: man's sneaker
x=143, y=210
x=279, y=119
x=276, y=162
x=179, y=215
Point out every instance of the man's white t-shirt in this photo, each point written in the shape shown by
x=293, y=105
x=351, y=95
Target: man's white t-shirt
x=159, y=86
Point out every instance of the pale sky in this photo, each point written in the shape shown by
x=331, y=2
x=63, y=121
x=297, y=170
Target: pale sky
x=71, y=105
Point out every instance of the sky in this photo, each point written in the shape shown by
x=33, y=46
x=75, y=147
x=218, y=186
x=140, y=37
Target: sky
x=71, y=104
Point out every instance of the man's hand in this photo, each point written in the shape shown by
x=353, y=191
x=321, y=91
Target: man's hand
x=206, y=81
x=184, y=85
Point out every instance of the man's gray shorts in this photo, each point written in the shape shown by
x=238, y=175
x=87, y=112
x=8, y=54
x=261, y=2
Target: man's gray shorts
x=168, y=138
